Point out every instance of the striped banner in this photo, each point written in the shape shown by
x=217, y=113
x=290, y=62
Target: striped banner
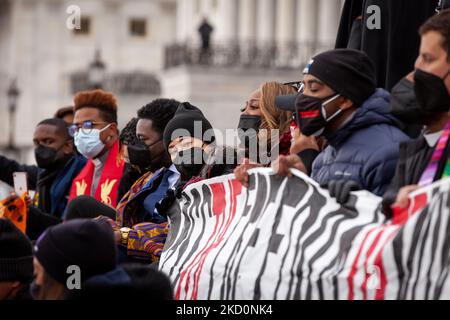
x=286, y=238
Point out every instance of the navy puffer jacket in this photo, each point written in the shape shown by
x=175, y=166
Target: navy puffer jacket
x=365, y=149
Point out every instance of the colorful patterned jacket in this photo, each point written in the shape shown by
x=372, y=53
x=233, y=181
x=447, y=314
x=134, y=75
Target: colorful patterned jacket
x=146, y=240
x=148, y=247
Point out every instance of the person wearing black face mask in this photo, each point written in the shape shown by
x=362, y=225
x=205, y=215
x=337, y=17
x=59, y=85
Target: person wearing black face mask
x=431, y=92
x=417, y=166
x=341, y=103
x=144, y=151
x=128, y=141
x=189, y=140
x=248, y=128
x=189, y=151
x=404, y=106
x=57, y=166
x=260, y=120
x=140, y=160
x=142, y=212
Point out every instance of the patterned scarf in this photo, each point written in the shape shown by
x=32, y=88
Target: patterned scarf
x=126, y=208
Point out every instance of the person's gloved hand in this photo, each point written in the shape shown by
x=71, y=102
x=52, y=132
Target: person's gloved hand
x=340, y=189
x=168, y=200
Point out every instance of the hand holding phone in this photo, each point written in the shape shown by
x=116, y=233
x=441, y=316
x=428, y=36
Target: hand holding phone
x=20, y=183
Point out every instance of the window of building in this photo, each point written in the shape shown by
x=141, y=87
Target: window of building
x=85, y=26
x=138, y=27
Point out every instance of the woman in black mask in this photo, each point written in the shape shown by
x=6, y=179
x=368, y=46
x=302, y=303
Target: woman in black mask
x=189, y=139
x=190, y=142
x=260, y=118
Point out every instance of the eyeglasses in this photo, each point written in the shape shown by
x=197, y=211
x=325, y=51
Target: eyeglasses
x=86, y=127
x=298, y=85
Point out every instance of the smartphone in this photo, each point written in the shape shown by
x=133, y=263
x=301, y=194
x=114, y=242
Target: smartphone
x=20, y=183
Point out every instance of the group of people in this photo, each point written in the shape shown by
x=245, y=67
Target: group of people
x=102, y=197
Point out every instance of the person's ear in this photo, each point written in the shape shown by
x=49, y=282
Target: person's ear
x=68, y=147
x=111, y=132
x=113, y=129
x=346, y=104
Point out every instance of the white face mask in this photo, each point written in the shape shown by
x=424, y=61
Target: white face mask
x=324, y=112
x=89, y=144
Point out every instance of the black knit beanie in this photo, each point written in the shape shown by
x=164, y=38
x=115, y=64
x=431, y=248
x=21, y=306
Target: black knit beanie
x=184, y=121
x=88, y=244
x=16, y=253
x=348, y=72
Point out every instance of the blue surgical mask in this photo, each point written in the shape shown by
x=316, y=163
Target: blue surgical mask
x=89, y=144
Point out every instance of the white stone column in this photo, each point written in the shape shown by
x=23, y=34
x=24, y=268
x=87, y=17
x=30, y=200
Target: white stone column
x=285, y=22
x=205, y=8
x=266, y=21
x=285, y=32
x=307, y=13
x=306, y=30
x=247, y=20
x=329, y=16
x=227, y=24
x=185, y=20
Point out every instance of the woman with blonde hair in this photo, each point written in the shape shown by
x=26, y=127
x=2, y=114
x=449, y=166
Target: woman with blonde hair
x=261, y=114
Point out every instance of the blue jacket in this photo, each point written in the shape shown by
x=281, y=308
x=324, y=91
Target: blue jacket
x=365, y=149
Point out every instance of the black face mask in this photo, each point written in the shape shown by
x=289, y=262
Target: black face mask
x=140, y=156
x=190, y=162
x=46, y=157
x=431, y=92
x=311, y=119
x=249, y=122
x=404, y=102
x=248, y=128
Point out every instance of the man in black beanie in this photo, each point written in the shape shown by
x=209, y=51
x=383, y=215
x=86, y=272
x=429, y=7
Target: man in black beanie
x=16, y=262
x=340, y=101
x=70, y=253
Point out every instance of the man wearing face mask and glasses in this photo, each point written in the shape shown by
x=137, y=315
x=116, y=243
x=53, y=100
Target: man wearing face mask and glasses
x=425, y=160
x=57, y=167
x=96, y=137
x=341, y=103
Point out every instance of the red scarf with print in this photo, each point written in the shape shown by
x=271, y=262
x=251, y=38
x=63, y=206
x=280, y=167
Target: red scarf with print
x=108, y=184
